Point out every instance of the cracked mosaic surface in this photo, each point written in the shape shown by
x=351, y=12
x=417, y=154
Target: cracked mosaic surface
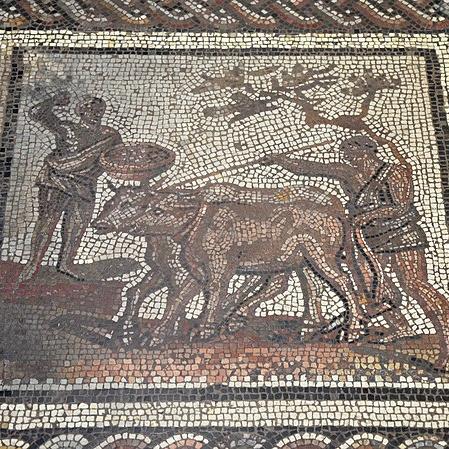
x=223, y=225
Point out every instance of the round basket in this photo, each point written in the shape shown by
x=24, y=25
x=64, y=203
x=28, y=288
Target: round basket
x=136, y=161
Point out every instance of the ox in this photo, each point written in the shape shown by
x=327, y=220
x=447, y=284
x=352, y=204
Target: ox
x=225, y=229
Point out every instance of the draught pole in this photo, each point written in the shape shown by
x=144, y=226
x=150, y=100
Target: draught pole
x=246, y=164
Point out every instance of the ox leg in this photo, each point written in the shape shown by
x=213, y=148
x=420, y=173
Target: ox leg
x=311, y=290
x=273, y=285
x=156, y=256
x=128, y=324
x=175, y=309
x=325, y=265
x=212, y=318
x=216, y=293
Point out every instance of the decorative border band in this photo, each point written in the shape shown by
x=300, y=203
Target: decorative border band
x=228, y=15
x=297, y=413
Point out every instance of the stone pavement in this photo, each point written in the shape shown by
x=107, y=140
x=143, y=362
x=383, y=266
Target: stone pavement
x=224, y=224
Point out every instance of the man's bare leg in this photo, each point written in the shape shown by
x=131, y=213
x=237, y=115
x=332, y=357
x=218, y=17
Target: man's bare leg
x=398, y=326
x=51, y=205
x=411, y=269
x=76, y=220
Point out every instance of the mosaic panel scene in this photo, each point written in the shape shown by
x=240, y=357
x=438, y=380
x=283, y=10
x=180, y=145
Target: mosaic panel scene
x=224, y=224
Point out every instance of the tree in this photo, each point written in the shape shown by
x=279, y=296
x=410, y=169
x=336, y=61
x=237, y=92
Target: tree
x=297, y=87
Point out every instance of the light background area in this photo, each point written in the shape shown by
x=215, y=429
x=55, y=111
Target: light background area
x=150, y=99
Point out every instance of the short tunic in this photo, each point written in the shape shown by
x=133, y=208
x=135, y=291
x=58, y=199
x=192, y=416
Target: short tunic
x=387, y=235
x=75, y=174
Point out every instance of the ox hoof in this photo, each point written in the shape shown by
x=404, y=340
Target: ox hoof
x=204, y=332
x=159, y=335
x=442, y=364
x=26, y=274
x=398, y=335
x=355, y=333
x=151, y=341
x=126, y=331
x=236, y=323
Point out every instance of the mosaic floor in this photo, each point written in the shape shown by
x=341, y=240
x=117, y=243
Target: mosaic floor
x=224, y=224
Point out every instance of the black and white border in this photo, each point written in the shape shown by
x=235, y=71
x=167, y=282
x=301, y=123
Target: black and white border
x=332, y=406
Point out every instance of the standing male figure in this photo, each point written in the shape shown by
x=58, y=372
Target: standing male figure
x=68, y=180
x=382, y=212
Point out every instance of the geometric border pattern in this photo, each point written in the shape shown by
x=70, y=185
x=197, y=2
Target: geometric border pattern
x=228, y=15
x=201, y=438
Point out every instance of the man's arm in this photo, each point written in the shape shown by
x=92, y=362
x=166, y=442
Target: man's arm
x=71, y=162
x=43, y=113
x=401, y=190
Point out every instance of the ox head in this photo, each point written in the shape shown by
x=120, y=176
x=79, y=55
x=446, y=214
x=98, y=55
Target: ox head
x=118, y=213
x=143, y=212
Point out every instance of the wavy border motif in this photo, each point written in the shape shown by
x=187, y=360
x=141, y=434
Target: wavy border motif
x=228, y=15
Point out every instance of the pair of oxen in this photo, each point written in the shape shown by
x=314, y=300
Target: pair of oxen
x=221, y=230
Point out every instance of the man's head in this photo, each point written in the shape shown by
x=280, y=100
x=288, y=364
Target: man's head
x=91, y=109
x=358, y=149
